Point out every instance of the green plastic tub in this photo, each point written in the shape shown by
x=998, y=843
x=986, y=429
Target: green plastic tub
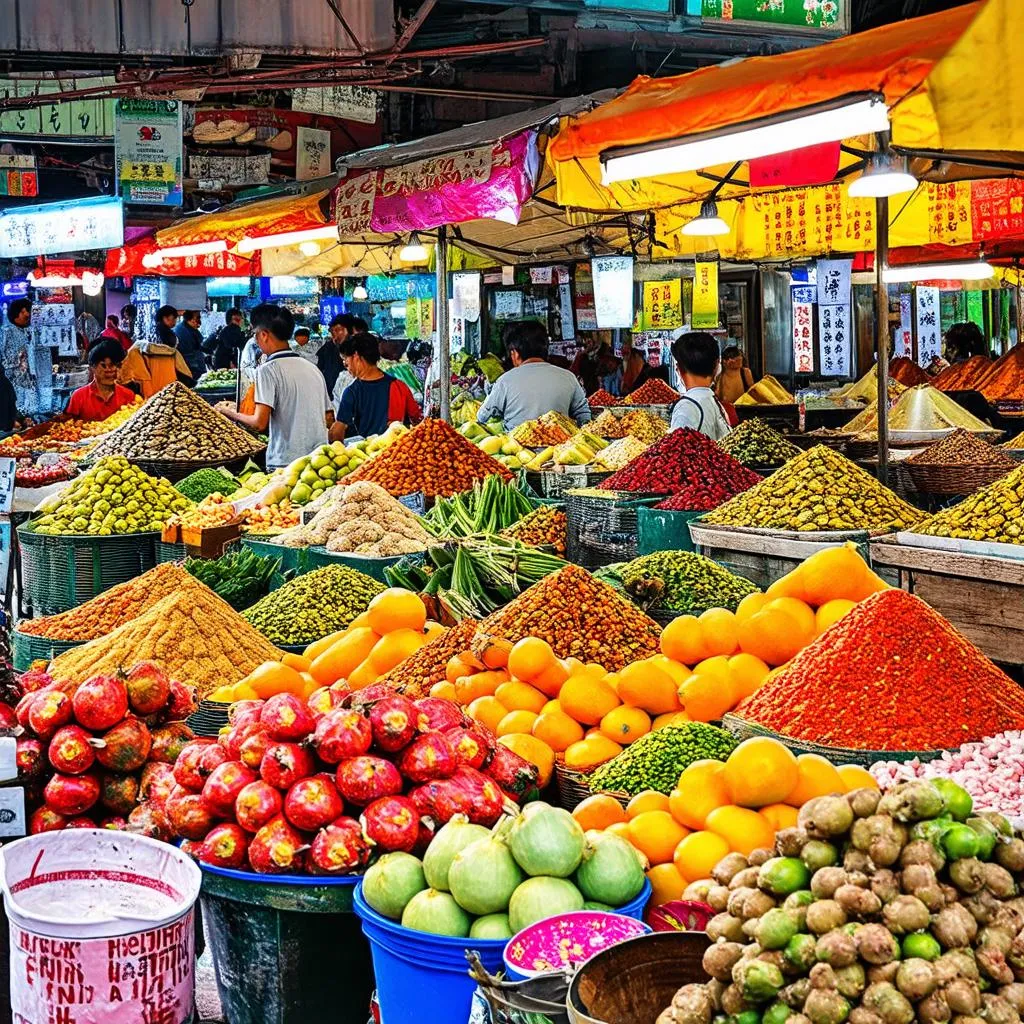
x=372, y=567
x=26, y=648
x=296, y=559
x=662, y=529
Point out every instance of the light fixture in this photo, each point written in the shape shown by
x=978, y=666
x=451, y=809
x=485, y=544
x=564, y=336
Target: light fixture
x=90, y=281
x=309, y=248
x=884, y=175
x=415, y=251
x=708, y=223
x=155, y=258
x=977, y=270
x=328, y=231
x=359, y=293
x=782, y=133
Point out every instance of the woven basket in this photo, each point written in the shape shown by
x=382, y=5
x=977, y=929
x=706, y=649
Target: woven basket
x=210, y=718
x=170, y=552
x=175, y=470
x=574, y=787
x=602, y=530
x=943, y=478
x=26, y=648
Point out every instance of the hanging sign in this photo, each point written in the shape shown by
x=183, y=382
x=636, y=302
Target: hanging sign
x=833, y=278
x=834, y=339
x=508, y=305
x=350, y=102
x=565, y=312
x=929, y=340
x=148, y=151
x=613, y=291
x=802, y=300
x=825, y=16
x=541, y=275
x=662, y=305
x=705, y=295
x=61, y=227
x=52, y=117
x=354, y=199
x=904, y=344
x=18, y=175
x=466, y=294
x=312, y=153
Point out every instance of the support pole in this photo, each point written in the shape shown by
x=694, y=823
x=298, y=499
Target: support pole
x=882, y=333
x=444, y=355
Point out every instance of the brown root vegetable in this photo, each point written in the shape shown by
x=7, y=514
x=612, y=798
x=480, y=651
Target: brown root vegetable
x=982, y=906
x=881, y=837
x=999, y=881
x=735, y=903
x=859, y=1015
x=836, y=949
x=997, y=1010
x=1015, y=954
x=825, y=881
x=790, y=841
x=728, y=867
x=885, y=885
x=934, y=1009
x=883, y=972
x=950, y=893
x=905, y=914
x=876, y=944
x=861, y=879
x=718, y=897
x=750, y=927
x=773, y=957
x=1014, y=995
x=994, y=937
x=823, y=916
x=954, y=927
x=962, y=995
x=891, y=1005
x=794, y=995
x=916, y=979
x=968, y=874
x=920, y=851
x=956, y=963
x=733, y=1001
x=851, y=981
x=698, y=891
x=720, y=958
x=826, y=1006
x=916, y=876
x=745, y=879
x=863, y=802
x=856, y=860
x=822, y=976
x=760, y=856
x=932, y=897
x=691, y=1005
x=857, y=902
x=1009, y=918
x=912, y=801
x=756, y=904
x=1010, y=854
x=725, y=926
x=714, y=989
x=825, y=816
x=992, y=964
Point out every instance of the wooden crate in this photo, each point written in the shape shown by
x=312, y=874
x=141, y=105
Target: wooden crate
x=983, y=596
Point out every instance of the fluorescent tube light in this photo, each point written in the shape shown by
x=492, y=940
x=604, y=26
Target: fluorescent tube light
x=977, y=270
x=328, y=231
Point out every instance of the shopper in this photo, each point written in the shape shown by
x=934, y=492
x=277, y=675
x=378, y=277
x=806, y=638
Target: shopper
x=166, y=320
x=16, y=345
x=735, y=378
x=633, y=370
x=113, y=330
x=962, y=341
x=103, y=396
x=306, y=346
x=329, y=359
x=697, y=360
x=532, y=387
x=594, y=362
x=374, y=399
x=190, y=343
x=292, y=401
x=224, y=346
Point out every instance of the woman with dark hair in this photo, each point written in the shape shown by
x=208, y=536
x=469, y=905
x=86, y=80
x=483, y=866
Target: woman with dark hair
x=735, y=377
x=103, y=396
x=166, y=318
x=964, y=340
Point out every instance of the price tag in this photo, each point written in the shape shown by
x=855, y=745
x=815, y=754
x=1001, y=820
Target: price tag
x=13, y=823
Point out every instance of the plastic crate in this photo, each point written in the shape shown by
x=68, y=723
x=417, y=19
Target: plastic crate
x=601, y=530
x=295, y=559
x=662, y=529
x=170, y=552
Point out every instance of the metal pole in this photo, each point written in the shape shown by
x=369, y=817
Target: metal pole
x=444, y=355
x=882, y=333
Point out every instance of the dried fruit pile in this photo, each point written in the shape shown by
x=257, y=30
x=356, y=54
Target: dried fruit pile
x=653, y=392
x=601, y=399
x=619, y=454
x=432, y=458
x=544, y=525
x=176, y=425
x=99, y=753
x=191, y=634
x=538, y=434
x=962, y=448
x=965, y=376
x=685, y=462
x=892, y=674
x=993, y=513
x=682, y=581
x=818, y=490
x=766, y=391
x=754, y=443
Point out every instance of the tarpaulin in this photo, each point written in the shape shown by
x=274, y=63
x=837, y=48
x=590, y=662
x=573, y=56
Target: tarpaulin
x=127, y=262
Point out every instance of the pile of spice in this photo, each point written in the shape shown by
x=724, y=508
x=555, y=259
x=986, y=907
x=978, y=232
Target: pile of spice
x=767, y=391
x=619, y=454
x=965, y=376
x=639, y=423
x=1005, y=381
x=104, y=613
x=754, y=443
x=537, y=434
x=601, y=399
x=891, y=674
x=426, y=667
x=580, y=617
x=907, y=372
x=685, y=460
x=433, y=458
x=653, y=392
x=921, y=408
x=818, y=490
x=994, y=513
x=204, y=482
x=192, y=634
x=608, y=425
x=544, y=525
x=176, y=425
x=683, y=582
x=313, y=605
x=962, y=448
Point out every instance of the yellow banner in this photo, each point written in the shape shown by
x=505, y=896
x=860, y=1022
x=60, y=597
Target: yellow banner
x=705, y=296
x=663, y=305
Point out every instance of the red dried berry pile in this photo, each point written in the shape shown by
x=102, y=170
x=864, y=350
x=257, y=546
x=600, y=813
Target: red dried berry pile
x=654, y=392
x=601, y=399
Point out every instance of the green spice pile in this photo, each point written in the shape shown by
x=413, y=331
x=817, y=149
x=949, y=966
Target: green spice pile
x=656, y=761
x=818, y=490
x=241, y=578
x=962, y=448
x=204, y=482
x=754, y=443
x=683, y=582
x=993, y=513
x=313, y=606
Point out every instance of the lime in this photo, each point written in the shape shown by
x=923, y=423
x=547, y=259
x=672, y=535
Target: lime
x=958, y=801
x=783, y=875
x=921, y=944
x=961, y=841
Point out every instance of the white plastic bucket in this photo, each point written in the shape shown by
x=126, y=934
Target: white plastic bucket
x=102, y=928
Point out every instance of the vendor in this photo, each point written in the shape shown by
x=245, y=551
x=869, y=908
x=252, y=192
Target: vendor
x=735, y=378
x=374, y=399
x=594, y=361
x=533, y=386
x=697, y=359
x=103, y=396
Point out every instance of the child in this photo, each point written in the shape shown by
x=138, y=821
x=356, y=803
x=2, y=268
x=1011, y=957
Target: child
x=696, y=357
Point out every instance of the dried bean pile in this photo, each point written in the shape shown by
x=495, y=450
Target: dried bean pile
x=962, y=448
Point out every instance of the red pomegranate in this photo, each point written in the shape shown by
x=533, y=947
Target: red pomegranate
x=119, y=793
x=342, y=733
x=47, y=712
x=473, y=746
x=340, y=848
x=361, y=780
x=312, y=803
x=115, y=823
x=256, y=804
x=30, y=758
x=183, y=702
x=100, y=703
x=71, y=750
x=225, y=846
x=169, y=741
x=424, y=834
x=8, y=719
x=35, y=679
x=232, y=737
x=72, y=794
x=213, y=756
x=284, y=764
x=149, y=688
x=287, y=718
x=466, y=792
x=147, y=820
x=440, y=714
x=81, y=822
x=22, y=708
x=429, y=756
x=126, y=746
x=392, y=823
x=323, y=700
x=188, y=815
x=394, y=722
x=156, y=782
x=226, y=781
x=46, y=819
x=254, y=746
x=186, y=768
x=277, y=848
x=242, y=712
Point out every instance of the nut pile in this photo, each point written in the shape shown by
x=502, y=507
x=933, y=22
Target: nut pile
x=993, y=513
x=962, y=448
x=754, y=443
x=544, y=525
x=682, y=581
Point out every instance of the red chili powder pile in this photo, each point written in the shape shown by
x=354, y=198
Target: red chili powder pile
x=907, y=372
x=892, y=674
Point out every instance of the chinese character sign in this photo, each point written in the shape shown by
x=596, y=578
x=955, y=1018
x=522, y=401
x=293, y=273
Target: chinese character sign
x=312, y=153
x=834, y=282
x=834, y=317
x=929, y=337
x=802, y=300
x=613, y=291
x=61, y=227
x=148, y=151
x=905, y=333
x=662, y=305
x=705, y=295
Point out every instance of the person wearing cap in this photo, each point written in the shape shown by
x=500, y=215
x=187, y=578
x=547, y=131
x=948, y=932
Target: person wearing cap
x=102, y=396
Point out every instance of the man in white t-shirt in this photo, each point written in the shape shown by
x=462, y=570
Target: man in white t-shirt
x=697, y=358
x=291, y=395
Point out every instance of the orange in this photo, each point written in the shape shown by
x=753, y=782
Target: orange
x=479, y=684
x=495, y=652
x=761, y=771
x=620, y=829
x=648, y=800
x=672, y=718
x=488, y=711
x=592, y=668
x=678, y=672
x=831, y=612
x=533, y=750
x=552, y=705
x=833, y=572
x=591, y=752
x=517, y=696
x=705, y=698
x=780, y=816
x=394, y=609
x=682, y=640
x=700, y=789
x=516, y=721
x=557, y=730
x=455, y=668
x=444, y=690
x=530, y=657
x=790, y=585
x=646, y=685
x=747, y=674
x=744, y=830
x=718, y=631
x=656, y=834
x=551, y=679
x=395, y=647
x=599, y=811
x=299, y=662
x=802, y=612
x=855, y=777
x=697, y=854
x=587, y=700
x=666, y=884
x=751, y=605
x=818, y=777
x=625, y=725
x=773, y=635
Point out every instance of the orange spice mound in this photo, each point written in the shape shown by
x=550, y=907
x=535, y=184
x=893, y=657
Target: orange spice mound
x=433, y=458
x=964, y=376
x=423, y=668
x=1005, y=381
x=892, y=674
x=907, y=372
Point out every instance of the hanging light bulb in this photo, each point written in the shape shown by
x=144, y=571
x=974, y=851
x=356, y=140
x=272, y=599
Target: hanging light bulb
x=309, y=248
x=415, y=251
x=359, y=293
x=708, y=223
x=884, y=175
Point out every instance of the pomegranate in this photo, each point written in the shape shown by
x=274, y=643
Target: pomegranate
x=169, y=741
x=361, y=780
x=226, y=781
x=149, y=688
x=46, y=819
x=392, y=823
x=147, y=820
x=8, y=719
x=72, y=794
x=183, y=702
x=323, y=700
x=394, y=722
x=466, y=792
x=187, y=815
x=364, y=699
x=225, y=846
x=286, y=718
x=312, y=803
x=339, y=849
x=30, y=758
x=277, y=848
x=82, y=822
x=156, y=782
x=256, y=804
x=284, y=764
x=342, y=733
x=22, y=708
x=186, y=768
x=513, y=773
x=340, y=688
x=119, y=793
x=244, y=711
x=191, y=848
x=71, y=750
x=47, y=712
x=126, y=746
x=429, y=756
x=254, y=746
x=232, y=737
x=100, y=703
x=473, y=746
x=213, y=756
x=115, y=823
x=424, y=834
x=35, y=679
x=440, y=714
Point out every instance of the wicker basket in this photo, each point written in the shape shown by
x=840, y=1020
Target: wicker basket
x=210, y=718
x=574, y=787
x=170, y=552
x=175, y=470
x=26, y=648
x=602, y=530
x=943, y=478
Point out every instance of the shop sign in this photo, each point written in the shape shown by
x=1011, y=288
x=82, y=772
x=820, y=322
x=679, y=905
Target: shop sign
x=253, y=169
x=312, y=154
x=705, y=295
x=18, y=175
x=662, y=305
x=86, y=118
x=349, y=102
x=904, y=345
x=466, y=295
x=354, y=199
x=613, y=291
x=929, y=338
x=834, y=316
x=508, y=305
x=565, y=312
x=148, y=152
x=832, y=16
x=61, y=227
x=802, y=298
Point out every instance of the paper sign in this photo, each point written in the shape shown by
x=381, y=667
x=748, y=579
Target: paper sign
x=508, y=305
x=565, y=312
x=8, y=763
x=663, y=305
x=466, y=294
x=540, y=275
x=929, y=340
x=7, y=467
x=705, y=295
x=312, y=153
x=148, y=151
x=904, y=343
x=802, y=300
x=354, y=199
x=508, y=275
x=562, y=274
x=834, y=330
x=613, y=291
x=834, y=282
x=12, y=810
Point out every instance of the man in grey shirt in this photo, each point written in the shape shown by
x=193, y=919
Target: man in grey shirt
x=532, y=387
x=291, y=394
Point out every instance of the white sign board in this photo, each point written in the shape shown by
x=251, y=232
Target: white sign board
x=351, y=102
x=929, y=328
x=312, y=154
x=613, y=291
x=61, y=227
